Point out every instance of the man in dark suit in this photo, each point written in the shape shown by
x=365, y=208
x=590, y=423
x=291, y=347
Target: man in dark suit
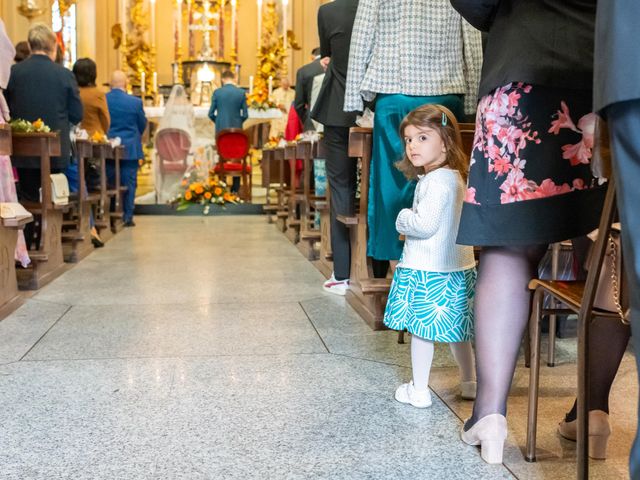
x=228, y=104
x=335, y=23
x=617, y=98
x=229, y=109
x=304, y=88
x=39, y=88
x=128, y=122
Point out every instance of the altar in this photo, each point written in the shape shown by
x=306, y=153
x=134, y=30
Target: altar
x=161, y=183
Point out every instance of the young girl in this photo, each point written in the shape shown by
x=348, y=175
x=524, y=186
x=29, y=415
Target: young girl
x=432, y=291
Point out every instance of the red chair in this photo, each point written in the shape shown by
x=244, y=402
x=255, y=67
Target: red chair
x=172, y=146
x=233, y=150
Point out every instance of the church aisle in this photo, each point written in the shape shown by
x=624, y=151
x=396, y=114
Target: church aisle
x=197, y=348
x=205, y=348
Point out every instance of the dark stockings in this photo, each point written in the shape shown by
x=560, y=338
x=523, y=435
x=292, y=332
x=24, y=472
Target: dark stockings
x=608, y=341
x=502, y=305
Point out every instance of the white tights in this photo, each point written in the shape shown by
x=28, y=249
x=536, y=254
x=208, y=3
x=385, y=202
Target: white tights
x=422, y=357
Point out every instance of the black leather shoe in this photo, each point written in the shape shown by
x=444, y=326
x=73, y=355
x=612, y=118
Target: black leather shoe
x=97, y=243
x=129, y=223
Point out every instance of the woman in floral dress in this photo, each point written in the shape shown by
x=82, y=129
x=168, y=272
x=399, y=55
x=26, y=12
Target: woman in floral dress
x=7, y=180
x=530, y=184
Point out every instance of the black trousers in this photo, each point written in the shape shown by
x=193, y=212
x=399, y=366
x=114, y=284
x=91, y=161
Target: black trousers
x=342, y=177
x=28, y=190
x=624, y=125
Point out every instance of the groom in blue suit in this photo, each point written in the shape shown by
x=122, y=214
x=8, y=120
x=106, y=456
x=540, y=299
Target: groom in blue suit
x=229, y=109
x=128, y=122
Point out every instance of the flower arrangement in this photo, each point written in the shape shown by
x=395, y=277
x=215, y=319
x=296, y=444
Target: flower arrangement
x=274, y=142
x=98, y=137
x=259, y=99
x=203, y=191
x=20, y=125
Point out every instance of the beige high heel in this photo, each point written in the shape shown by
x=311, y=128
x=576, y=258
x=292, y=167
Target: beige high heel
x=489, y=432
x=599, y=432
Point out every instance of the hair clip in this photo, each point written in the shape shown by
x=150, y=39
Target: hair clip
x=444, y=119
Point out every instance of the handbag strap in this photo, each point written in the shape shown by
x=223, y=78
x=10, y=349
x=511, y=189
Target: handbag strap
x=613, y=258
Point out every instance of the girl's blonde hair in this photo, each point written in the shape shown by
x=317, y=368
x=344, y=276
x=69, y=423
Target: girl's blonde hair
x=443, y=121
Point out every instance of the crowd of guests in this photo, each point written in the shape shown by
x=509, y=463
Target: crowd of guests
x=525, y=72
x=39, y=87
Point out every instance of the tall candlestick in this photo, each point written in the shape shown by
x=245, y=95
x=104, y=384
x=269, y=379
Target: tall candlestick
x=192, y=45
x=259, y=24
x=123, y=24
x=270, y=86
x=233, y=26
x=251, y=84
x=152, y=7
x=155, y=82
x=285, y=3
x=143, y=86
x=179, y=26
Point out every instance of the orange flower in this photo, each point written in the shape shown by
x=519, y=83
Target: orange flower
x=184, y=183
x=217, y=191
x=228, y=197
x=207, y=195
x=187, y=195
x=38, y=124
x=193, y=186
x=199, y=190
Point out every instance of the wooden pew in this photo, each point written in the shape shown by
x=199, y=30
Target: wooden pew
x=282, y=212
x=294, y=196
x=366, y=294
x=117, y=215
x=310, y=202
x=76, y=235
x=10, y=298
x=325, y=257
x=102, y=151
x=47, y=262
x=270, y=171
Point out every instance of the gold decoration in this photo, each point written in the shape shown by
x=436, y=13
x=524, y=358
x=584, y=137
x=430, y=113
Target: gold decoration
x=29, y=9
x=116, y=36
x=272, y=56
x=137, y=51
x=65, y=5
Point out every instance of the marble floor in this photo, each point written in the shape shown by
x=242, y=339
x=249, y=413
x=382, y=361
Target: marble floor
x=205, y=348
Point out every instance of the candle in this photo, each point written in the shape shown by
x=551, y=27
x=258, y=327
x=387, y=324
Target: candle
x=143, y=86
x=285, y=3
x=179, y=25
x=152, y=7
x=251, y=84
x=192, y=47
x=233, y=26
x=155, y=82
x=259, y=24
x=123, y=19
x=270, y=86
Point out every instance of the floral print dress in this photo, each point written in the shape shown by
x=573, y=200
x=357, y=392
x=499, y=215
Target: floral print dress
x=530, y=180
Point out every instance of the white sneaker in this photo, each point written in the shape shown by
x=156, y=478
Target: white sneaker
x=468, y=390
x=406, y=393
x=338, y=287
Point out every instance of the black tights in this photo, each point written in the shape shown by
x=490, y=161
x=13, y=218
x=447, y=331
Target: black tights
x=502, y=307
x=501, y=310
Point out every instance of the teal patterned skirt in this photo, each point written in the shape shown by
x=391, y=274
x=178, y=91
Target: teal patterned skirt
x=432, y=305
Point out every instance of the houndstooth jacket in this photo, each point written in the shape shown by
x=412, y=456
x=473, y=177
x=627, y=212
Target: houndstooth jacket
x=412, y=47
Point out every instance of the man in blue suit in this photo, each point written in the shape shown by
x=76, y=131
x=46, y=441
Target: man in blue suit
x=127, y=122
x=229, y=109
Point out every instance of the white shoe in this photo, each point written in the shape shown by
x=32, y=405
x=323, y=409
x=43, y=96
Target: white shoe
x=468, y=390
x=489, y=432
x=338, y=287
x=406, y=393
